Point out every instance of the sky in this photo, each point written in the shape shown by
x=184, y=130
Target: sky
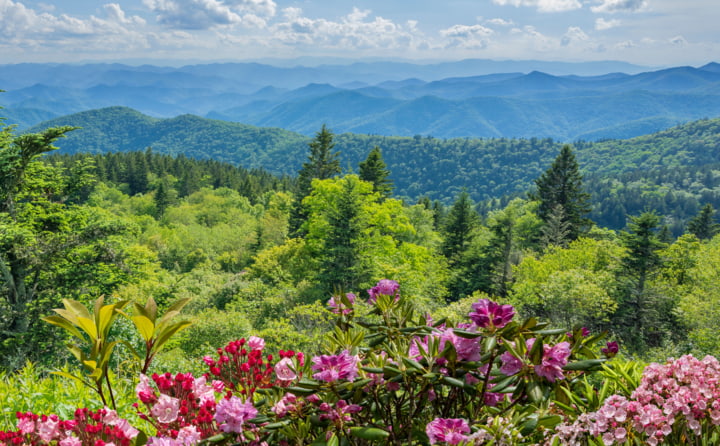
x=646, y=32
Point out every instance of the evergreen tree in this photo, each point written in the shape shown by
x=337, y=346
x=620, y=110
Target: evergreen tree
x=322, y=164
x=340, y=264
x=703, y=225
x=161, y=198
x=461, y=221
x=642, y=311
x=374, y=170
x=561, y=185
x=556, y=230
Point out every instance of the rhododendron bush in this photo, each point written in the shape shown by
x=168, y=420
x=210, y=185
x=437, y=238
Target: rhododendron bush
x=396, y=377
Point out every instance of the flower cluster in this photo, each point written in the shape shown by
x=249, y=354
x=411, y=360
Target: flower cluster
x=488, y=314
x=331, y=368
x=554, y=358
x=242, y=366
x=384, y=287
x=674, y=401
x=447, y=430
x=340, y=305
x=182, y=406
x=87, y=428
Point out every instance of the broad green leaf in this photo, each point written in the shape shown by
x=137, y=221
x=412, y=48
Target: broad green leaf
x=77, y=308
x=144, y=326
x=369, y=433
x=163, y=337
x=587, y=364
x=64, y=324
x=89, y=327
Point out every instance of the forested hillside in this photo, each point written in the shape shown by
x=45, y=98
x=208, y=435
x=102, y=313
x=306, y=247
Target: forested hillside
x=626, y=176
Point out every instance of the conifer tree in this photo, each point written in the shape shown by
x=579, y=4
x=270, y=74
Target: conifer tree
x=322, y=164
x=374, y=170
x=642, y=310
x=561, y=185
x=462, y=219
x=340, y=265
x=704, y=225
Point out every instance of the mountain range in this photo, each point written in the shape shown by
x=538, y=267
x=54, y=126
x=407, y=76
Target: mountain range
x=420, y=166
x=472, y=98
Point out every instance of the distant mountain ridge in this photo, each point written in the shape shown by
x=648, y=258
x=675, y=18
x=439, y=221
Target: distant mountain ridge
x=461, y=99
x=437, y=168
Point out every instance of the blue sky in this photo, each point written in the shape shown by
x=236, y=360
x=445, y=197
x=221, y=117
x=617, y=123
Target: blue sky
x=647, y=32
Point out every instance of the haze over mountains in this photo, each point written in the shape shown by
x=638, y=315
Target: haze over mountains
x=471, y=98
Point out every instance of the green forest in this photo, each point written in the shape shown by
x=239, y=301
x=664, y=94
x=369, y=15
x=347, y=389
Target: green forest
x=631, y=254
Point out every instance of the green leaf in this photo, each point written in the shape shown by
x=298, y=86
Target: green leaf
x=369, y=433
x=412, y=364
x=144, y=326
x=163, y=338
x=333, y=441
x=76, y=308
x=535, y=391
x=466, y=334
x=453, y=381
x=64, y=324
x=89, y=327
x=587, y=364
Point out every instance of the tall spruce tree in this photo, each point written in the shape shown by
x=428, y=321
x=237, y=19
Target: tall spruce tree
x=322, y=164
x=704, y=225
x=643, y=312
x=461, y=221
x=374, y=170
x=561, y=185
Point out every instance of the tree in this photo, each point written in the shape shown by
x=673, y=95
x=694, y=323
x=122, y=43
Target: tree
x=374, y=170
x=642, y=312
x=322, y=164
x=340, y=267
x=703, y=225
x=561, y=185
x=461, y=220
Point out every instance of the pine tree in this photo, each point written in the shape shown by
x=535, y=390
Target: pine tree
x=704, y=225
x=561, y=185
x=374, y=170
x=556, y=231
x=322, y=164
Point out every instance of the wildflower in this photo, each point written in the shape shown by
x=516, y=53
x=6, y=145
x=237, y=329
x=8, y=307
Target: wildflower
x=554, y=359
x=166, y=409
x=331, y=368
x=510, y=364
x=284, y=370
x=256, y=343
x=385, y=287
x=447, y=430
x=488, y=314
x=188, y=436
x=337, y=305
x=233, y=412
x=611, y=349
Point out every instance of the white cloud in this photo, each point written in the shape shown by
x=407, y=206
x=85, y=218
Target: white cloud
x=543, y=5
x=116, y=14
x=574, y=34
x=193, y=14
x=467, y=36
x=679, y=41
x=500, y=22
x=612, y=6
x=601, y=24
x=357, y=30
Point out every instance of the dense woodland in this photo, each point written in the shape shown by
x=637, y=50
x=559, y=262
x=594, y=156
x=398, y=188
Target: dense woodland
x=260, y=254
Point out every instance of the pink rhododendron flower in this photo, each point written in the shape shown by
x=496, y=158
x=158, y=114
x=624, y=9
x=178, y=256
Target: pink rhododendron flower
x=385, y=287
x=510, y=364
x=447, y=430
x=232, y=413
x=467, y=349
x=488, y=314
x=144, y=391
x=203, y=391
x=332, y=368
x=554, y=359
x=611, y=349
x=284, y=370
x=166, y=409
x=25, y=423
x=337, y=305
x=48, y=428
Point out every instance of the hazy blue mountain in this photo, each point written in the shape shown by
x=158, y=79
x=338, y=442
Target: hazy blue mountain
x=456, y=99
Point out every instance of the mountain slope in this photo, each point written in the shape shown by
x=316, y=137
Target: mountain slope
x=438, y=168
